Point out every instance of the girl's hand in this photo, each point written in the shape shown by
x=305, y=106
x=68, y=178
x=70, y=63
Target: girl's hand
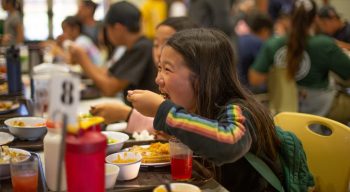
x=146, y=102
x=111, y=112
x=76, y=53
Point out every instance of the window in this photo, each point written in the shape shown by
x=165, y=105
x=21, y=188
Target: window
x=35, y=20
x=61, y=9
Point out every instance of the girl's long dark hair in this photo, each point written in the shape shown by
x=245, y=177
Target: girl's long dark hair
x=210, y=56
x=301, y=20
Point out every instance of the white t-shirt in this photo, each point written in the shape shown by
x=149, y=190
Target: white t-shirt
x=91, y=49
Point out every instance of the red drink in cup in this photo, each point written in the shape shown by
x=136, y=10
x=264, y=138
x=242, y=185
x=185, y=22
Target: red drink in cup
x=181, y=160
x=181, y=167
x=24, y=175
x=26, y=182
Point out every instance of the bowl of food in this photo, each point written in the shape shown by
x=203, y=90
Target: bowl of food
x=7, y=154
x=178, y=187
x=129, y=164
x=111, y=174
x=27, y=128
x=115, y=140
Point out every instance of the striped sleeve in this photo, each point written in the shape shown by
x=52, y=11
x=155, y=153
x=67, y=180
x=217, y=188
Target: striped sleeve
x=229, y=130
x=222, y=140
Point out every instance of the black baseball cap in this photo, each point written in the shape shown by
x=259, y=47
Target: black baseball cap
x=327, y=11
x=124, y=13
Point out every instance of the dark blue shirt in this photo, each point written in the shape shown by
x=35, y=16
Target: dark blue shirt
x=248, y=48
x=343, y=34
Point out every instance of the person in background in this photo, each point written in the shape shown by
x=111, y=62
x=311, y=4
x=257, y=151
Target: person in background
x=153, y=12
x=13, y=25
x=248, y=46
x=212, y=14
x=114, y=112
x=208, y=110
x=240, y=11
x=276, y=8
x=90, y=26
x=308, y=58
x=282, y=24
x=71, y=27
x=135, y=69
x=331, y=24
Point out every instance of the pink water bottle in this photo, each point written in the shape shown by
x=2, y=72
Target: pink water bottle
x=85, y=161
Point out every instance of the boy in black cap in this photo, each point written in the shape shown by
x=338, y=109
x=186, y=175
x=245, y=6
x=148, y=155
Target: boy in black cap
x=331, y=24
x=135, y=69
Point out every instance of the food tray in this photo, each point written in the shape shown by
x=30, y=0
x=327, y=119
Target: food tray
x=25, y=109
x=6, y=185
x=149, y=177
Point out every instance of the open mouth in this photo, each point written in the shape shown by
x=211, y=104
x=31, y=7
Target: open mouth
x=163, y=93
x=165, y=96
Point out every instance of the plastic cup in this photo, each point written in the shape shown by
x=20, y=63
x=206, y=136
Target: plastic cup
x=41, y=94
x=181, y=160
x=24, y=175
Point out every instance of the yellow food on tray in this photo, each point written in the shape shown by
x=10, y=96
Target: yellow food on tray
x=124, y=159
x=155, y=153
x=3, y=88
x=18, y=124
x=5, y=105
x=6, y=154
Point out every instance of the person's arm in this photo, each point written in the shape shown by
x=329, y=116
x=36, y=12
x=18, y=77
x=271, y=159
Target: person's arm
x=116, y=111
x=112, y=111
x=258, y=72
x=256, y=78
x=109, y=85
x=20, y=33
x=221, y=140
x=343, y=45
x=339, y=61
x=138, y=122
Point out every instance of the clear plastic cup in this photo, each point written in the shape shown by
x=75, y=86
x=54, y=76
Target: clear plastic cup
x=181, y=160
x=24, y=175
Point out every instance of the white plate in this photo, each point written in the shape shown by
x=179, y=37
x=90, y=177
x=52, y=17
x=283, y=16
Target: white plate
x=14, y=106
x=6, y=138
x=162, y=164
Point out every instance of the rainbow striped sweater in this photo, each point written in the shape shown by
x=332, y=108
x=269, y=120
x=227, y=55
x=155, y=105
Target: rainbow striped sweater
x=222, y=140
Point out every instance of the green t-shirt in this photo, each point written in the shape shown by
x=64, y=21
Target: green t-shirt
x=321, y=56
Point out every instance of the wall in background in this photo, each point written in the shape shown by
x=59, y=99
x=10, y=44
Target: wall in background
x=342, y=6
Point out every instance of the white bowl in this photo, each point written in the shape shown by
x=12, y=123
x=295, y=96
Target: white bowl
x=34, y=127
x=178, y=187
x=120, y=139
x=128, y=170
x=111, y=174
x=5, y=167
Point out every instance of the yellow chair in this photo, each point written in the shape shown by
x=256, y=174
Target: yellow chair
x=328, y=156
